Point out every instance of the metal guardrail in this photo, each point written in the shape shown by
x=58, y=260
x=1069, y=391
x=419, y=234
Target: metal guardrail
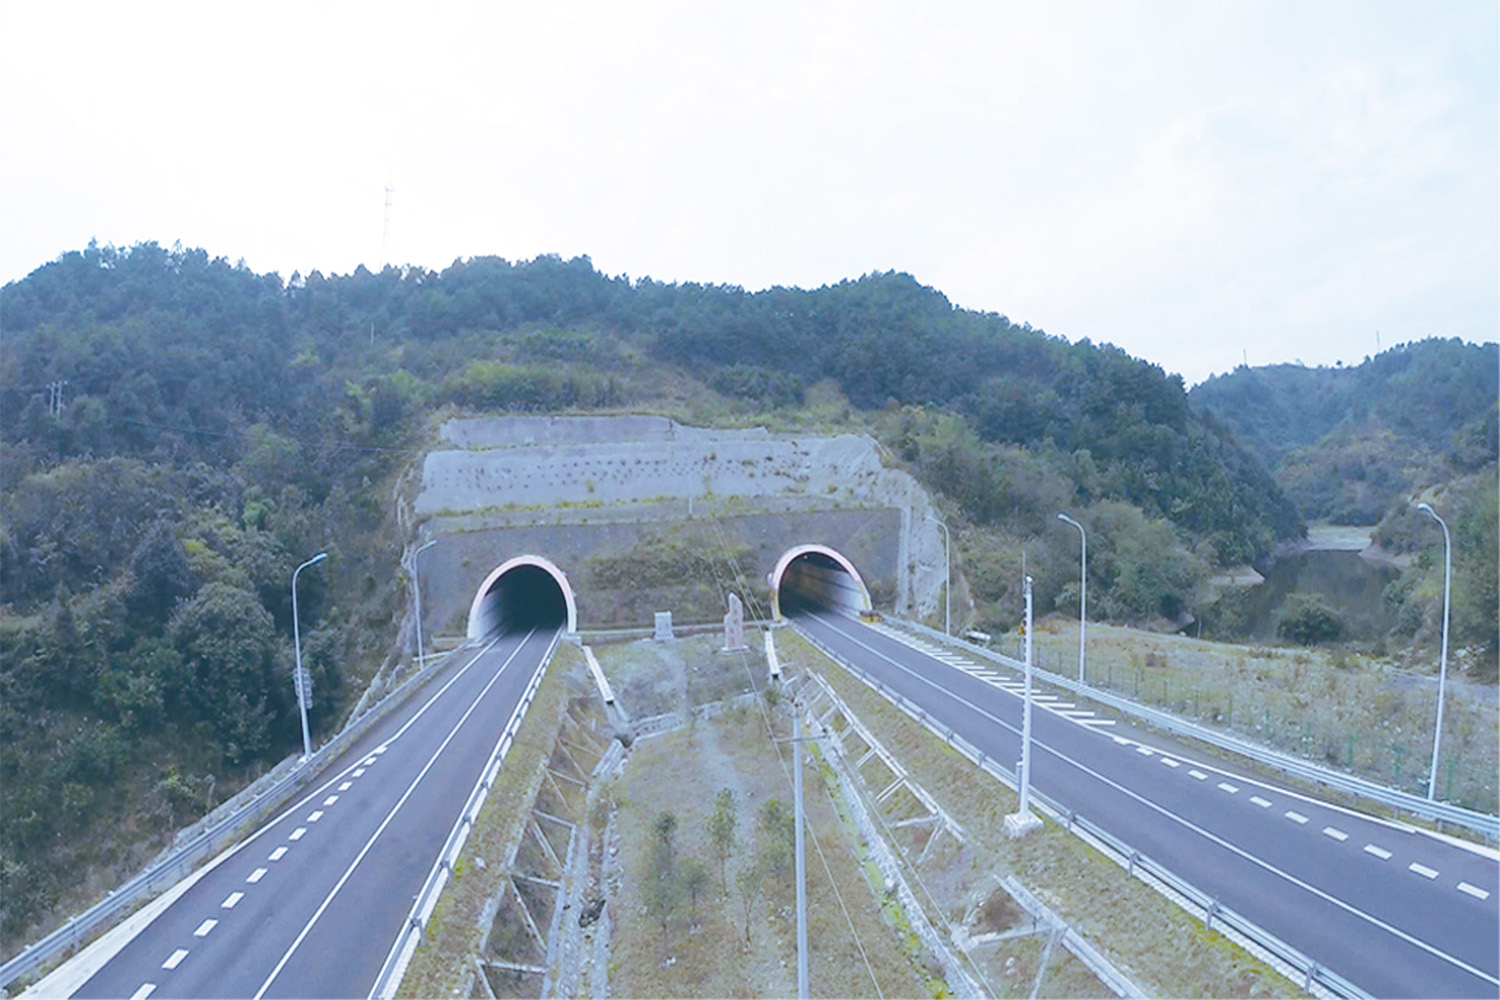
x=1470, y=819
x=181, y=862
x=388, y=980
x=1313, y=975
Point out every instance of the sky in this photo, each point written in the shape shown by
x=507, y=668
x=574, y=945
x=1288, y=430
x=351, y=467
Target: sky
x=1200, y=182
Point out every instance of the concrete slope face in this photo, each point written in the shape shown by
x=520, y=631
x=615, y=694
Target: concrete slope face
x=1397, y=911
x=313, y=902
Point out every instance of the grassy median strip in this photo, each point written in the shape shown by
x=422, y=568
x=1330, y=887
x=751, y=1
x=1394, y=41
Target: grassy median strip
x=1163, y=948
x=443, y=962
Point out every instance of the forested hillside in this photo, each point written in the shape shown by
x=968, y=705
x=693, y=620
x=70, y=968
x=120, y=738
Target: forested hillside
x=1348, y=443
x=1362, y=445
x=178, y=433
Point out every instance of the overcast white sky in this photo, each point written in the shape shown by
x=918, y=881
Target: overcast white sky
x=1188, y=180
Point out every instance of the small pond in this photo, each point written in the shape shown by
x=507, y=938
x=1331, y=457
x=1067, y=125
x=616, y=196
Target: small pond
x=1351, y=585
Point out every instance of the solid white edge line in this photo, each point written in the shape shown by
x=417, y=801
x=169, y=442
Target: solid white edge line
x=405, y=945
x=349, y=872
x=1261, y=863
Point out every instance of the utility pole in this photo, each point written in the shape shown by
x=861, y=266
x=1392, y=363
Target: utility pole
x=801, y=853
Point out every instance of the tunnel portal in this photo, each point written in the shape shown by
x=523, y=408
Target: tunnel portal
x=810, y=577
x=522, y=593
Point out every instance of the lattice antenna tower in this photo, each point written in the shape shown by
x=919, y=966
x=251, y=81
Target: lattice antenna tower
x=385, y=229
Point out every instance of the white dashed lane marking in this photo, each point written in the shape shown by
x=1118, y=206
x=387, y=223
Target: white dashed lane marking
x=330, y=800
x=256, y=876
x=346, y=786
x=368, y=761
x=1145, y=751
x=1260, y=801
x=1197, y=774
x=1225, y=786
x=176, y=959
x=298, y=833
x=278, y=854
x=1170, y=762
x=232, y=900
x=359, y=772
x=1473, y=890
x=144, y=992
x=1295, y=817
x=205, y=927
x=1422, y=870
x=315, y=815
x=1336, y=834
x=1379, y=852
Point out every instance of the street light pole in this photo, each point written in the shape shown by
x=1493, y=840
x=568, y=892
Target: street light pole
x=300, y=682
x=1023, y=820
x=1437, y=735
x=1083, y=589
x=947, y=576
x=416, y=586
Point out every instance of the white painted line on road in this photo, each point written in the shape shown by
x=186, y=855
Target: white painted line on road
x=346, y=786
x=315, y=815
x=1473, y=890
x=176, y=959
x=1422, y=870
x=330, y=800
x=205, y=927
x=1219, y=841
x=359, y=772
x=1170, y=762
x=1065, y=704
x=1122, y=741
x=1145, y=751
x=1336, y=834
x=1197, y=773
x=1225, y=786
x=1379, y=852
x=1295, y=817
x=368, y=761
x=1097, y=722
x=256, y=876
x=232, y=900
x=143, y=992
x=298, y=833
x=1260, y=801
x=278, y=854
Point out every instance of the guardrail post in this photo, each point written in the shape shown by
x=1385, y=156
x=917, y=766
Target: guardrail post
x=1134, y=857
x=1312, y=974
x=1209, y=914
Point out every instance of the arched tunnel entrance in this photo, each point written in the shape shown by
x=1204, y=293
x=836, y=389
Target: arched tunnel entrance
x=815, y=577
x=522, y=593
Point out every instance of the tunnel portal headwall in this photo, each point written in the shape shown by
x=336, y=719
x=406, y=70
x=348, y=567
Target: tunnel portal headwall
x=617, y=575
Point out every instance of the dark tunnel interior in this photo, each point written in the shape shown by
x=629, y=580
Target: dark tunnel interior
x=816, y=582
x=523, y=598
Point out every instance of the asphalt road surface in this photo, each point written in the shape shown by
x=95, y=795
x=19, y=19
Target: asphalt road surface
x=1397, y=911
x=312, y=903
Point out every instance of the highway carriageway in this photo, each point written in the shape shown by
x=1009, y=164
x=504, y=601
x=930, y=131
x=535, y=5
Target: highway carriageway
x=312, y=903
x=1396, y=910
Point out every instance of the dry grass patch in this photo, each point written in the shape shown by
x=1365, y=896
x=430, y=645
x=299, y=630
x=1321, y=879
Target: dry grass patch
x=1164, y=949
x=1362, y=714
x=456, y=933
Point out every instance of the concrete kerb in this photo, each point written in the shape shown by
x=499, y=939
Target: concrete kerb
x=1276, y=953
x=1482, y=823
x=206, y=845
